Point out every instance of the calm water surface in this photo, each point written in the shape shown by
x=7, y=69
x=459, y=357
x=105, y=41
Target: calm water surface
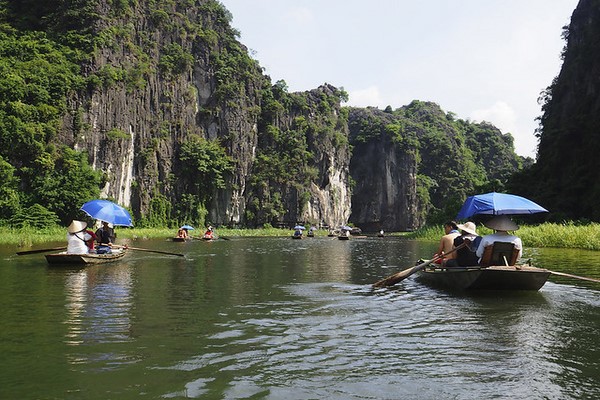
x=275, y=318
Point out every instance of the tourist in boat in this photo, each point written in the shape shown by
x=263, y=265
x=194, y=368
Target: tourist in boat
x=465, y=256
x=209, y=233
x=447, y=241
x=501, y=225
x=91, y=243
x=182, y=233
x=77, y=238
x=105, y=237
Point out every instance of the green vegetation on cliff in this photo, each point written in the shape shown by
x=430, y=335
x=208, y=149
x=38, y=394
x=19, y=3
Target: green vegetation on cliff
x=565, y=177
x=55, y=57
x=454, y=158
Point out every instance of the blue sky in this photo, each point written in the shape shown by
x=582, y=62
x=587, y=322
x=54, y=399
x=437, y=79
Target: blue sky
x=484, y=60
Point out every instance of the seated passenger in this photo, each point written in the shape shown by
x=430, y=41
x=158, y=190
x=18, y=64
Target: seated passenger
x=447, y=241
x=465, y=256
x=501, y=225
x=77, y=238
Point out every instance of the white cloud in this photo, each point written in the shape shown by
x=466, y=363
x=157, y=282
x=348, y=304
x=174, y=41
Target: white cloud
x=499, y=114
x=370, y=96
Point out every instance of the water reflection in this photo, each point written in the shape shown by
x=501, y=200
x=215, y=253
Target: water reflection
x=285, y=319
x=98, y=305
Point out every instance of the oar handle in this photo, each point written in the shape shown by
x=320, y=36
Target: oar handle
x=151, y=251
x=574, y=276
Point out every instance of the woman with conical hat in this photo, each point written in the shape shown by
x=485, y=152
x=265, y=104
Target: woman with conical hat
x=77, y=238
x=465, y=256
x=501, y=224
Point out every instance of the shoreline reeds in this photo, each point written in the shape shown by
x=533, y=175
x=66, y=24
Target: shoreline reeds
x=564, y=235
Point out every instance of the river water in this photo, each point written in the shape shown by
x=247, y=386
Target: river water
x=274, y=318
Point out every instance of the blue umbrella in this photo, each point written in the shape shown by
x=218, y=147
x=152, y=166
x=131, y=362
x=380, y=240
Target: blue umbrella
x=346, y=228
x=498, y=204
x=108, y=211
x=187, y=227
x=299, y=227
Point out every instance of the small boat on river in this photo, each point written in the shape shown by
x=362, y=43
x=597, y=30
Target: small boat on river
x=84, y=259
x=179, y=239
x=495, y=277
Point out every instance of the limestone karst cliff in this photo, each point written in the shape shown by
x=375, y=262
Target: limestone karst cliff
x=565, y=177
x=180, y=124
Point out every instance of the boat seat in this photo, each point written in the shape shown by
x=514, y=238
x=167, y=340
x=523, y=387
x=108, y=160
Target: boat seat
x=499, y=253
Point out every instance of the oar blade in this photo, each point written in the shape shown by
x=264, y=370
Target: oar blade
x=400, y=276
x=393, y=279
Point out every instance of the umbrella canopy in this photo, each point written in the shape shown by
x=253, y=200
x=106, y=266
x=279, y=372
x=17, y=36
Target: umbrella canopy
x=498, y=204
x=299, y=227
x=187, y=227
x=346, y=228
x=108, y=211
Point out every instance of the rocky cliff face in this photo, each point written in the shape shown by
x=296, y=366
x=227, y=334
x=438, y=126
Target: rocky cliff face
x=133, y=120
x=385, y=172
x=163, y=73
x=565, y=176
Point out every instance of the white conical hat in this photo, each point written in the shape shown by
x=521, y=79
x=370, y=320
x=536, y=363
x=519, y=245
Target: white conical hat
x=77, y=226
x=501, y=223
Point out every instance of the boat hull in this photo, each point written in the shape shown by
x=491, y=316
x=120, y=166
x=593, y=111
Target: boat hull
x=83, y=259
x=523, y=277
x=179, y=239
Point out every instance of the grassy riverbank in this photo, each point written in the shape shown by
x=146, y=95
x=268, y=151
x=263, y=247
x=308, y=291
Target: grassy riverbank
x=30, y=237
x=567, y=235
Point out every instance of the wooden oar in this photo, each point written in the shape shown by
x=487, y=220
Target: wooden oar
x=399, y=276
x=22, y=253
x=574, y=276
x=154, y=251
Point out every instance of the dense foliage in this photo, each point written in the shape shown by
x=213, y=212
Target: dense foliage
x=455, y=158
x=36, y=74
x=285, y=167
x=565, y=176
x=46, y=58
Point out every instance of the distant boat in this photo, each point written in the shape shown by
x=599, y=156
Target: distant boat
x=179, y=239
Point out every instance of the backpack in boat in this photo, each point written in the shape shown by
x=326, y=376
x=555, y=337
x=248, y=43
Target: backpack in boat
x=103, y=250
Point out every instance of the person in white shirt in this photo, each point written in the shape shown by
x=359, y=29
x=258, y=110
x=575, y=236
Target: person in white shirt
x=77, y=238
x=501, y=225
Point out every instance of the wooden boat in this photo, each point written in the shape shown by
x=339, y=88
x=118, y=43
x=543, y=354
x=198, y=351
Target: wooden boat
x=344, y=237
x=495, y=277
x=208, y=238
x=179, y=239
x=296, y=236
x=83, y=259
